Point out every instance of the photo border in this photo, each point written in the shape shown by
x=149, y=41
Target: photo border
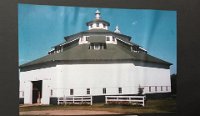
x=187, y=46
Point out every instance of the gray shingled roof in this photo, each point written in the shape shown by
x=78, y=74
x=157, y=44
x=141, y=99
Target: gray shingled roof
x=82, y=52
x=97, y=39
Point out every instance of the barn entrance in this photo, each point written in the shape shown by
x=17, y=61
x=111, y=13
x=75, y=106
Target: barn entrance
x=37, y=91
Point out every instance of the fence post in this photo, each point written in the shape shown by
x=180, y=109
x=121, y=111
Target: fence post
x=58, y=101
x=143, y=101
x=65, y=100
x=82, y=99
x=106, y=100
x=91, y=100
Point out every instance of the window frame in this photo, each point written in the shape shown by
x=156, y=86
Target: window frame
x=51, y=92
x=107, y=38
x=71, y=92
x=120, y=90
x=91, y=25
x=104, y=90
x=113, y=39
x=150, y=89
x=104, y=25
x=88, y=91
x=97, y=24
x=86, y=38
x=97, y=46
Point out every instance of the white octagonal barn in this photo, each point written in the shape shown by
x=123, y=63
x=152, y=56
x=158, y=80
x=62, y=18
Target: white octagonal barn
x=96, y=63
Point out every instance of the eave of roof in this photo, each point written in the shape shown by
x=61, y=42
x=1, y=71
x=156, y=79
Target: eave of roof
x=96, y=31
x=97, y=21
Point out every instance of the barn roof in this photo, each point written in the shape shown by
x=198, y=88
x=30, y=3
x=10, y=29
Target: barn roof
x=97, y=39
x=81, y=53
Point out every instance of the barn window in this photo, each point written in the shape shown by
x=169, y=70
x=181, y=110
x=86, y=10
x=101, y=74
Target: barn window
x=107, y=38
x=166, y=88
x=120, y=90
x=161, y=88
x=86, y=38
x=81, y=39
x=155, y=88
x=71, y=91
x=97, y=24
x=104, y=90
x=149, y=88
x=113, y=38
x=22, y=94
x=97, y=46
x=88, y=90
x=104, y=25
x=51, y=92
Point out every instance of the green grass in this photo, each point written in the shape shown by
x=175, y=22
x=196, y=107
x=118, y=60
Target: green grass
x=167, y=105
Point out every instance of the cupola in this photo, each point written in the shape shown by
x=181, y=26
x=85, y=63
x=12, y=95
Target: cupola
x=117, y=29
x=98, y=23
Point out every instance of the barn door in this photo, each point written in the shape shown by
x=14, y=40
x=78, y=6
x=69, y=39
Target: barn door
x=37, y=91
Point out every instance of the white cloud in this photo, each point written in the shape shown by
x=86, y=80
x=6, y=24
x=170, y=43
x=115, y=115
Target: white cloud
x=134, y=22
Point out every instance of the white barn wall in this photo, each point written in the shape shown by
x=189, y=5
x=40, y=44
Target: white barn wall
x=44, y=74
x=79, y=77
x=46, y=89
x=110, y=76
x=96, y=76
x=152, y=76
x=28, y=92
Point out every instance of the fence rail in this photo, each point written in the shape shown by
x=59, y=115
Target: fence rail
x=134, y=100
x=75, y=100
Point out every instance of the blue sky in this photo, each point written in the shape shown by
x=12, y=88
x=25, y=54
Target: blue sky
x=41, y=26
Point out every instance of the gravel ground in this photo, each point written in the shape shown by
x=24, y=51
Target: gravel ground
x=66, y=112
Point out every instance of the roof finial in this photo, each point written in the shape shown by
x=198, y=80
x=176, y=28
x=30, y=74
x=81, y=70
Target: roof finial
x=117, y=29
x=97, y=14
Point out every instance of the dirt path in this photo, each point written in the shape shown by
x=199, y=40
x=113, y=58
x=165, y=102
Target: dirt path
x=65, y=112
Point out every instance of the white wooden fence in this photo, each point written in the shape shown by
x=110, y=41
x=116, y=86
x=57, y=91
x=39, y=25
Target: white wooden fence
x=75, y=100
x=134, y=100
